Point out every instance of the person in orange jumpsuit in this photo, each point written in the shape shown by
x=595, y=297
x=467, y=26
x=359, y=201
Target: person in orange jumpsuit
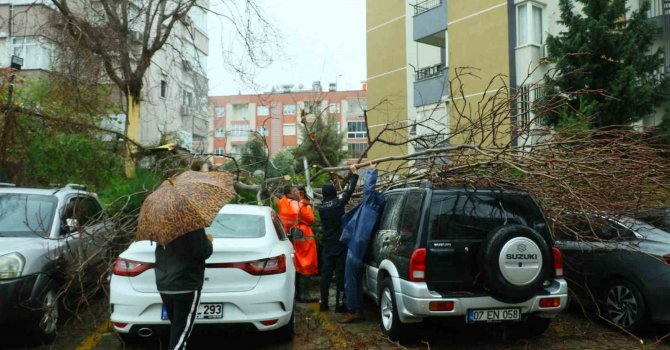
x=298, y=213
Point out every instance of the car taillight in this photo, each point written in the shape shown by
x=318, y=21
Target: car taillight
x=269, y=266
x=417, y=265
x=550, y=302
x=130, y=268
x=558, y=262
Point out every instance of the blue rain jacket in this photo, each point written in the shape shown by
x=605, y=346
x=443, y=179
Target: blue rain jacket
x=360, y=222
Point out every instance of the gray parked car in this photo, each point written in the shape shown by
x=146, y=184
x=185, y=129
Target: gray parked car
x=46, y=235
x=619, y=266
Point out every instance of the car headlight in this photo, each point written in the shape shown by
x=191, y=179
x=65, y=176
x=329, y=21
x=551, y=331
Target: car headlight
x=11, y=265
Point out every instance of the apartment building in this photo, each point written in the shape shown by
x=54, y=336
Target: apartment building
x=276, y=116
x=415, y=47
x=174, y=101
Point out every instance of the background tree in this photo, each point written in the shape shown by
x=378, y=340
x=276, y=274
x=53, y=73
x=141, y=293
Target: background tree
x=606, y=54
x=330, y=139
x=254, y=155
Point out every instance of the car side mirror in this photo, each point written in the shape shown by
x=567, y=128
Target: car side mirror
x=71, y=225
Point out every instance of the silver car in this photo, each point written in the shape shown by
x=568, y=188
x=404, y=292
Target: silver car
x=48, y=238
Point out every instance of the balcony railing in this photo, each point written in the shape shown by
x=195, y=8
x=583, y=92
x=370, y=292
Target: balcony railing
x=426, y=5
x=429, y=72
x=658, y=7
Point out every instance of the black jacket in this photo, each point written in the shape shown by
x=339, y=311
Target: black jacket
x=331, y=211
x=180, y=265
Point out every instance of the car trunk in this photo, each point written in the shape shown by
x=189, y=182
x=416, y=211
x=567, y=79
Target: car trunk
x=452, y=266
x=217, y=279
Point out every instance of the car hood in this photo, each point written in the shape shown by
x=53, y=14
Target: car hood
x=22, y=245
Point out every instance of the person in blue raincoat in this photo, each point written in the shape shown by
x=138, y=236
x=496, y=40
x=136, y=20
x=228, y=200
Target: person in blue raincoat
x=358, y=225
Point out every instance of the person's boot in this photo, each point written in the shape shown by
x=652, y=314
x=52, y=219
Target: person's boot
x=303, y=295
x=339, y=302
x=351, y=317
x=323, y=307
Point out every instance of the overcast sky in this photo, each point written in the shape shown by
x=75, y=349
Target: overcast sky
x=321, y=39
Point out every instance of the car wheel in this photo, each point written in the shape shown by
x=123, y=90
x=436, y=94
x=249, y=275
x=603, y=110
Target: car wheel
x=47, y=324
x=624, y=306
x=388, y=311
x=532, y=327
x=286, y=333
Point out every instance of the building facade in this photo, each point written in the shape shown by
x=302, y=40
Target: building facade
x=417, y=49
x=276, y=116
x=174, y=102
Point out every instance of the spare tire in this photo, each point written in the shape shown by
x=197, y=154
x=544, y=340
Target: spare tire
x=515, y=260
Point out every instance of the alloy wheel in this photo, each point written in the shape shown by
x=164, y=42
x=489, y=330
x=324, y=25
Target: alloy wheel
x=50, y=313
x=622, y=307
x=386, y=306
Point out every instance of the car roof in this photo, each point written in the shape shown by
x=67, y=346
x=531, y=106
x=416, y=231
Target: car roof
x=58, y=192
x=245, y=209
x=465, y=189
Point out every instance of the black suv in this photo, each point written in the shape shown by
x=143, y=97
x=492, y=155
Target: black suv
x=485, y=255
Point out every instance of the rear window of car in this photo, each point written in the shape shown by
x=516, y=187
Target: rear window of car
x=237, y=226
x=472, y=215
x=26, y=214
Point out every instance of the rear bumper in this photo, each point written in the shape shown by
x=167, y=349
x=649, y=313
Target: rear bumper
x=414, y=298
x=271, y=299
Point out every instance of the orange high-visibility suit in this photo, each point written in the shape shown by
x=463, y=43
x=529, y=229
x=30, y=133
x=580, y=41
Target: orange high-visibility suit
x=305, y=259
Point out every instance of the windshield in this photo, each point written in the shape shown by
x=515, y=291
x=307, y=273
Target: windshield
x=26, y=214
x=237, y=226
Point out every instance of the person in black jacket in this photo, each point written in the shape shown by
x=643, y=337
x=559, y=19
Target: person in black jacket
x=334, y=253
x=180, y=273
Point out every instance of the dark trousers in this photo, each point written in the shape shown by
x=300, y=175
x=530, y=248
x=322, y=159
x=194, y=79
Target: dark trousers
x=332, y=264
x=354, y=284
x=181, y=310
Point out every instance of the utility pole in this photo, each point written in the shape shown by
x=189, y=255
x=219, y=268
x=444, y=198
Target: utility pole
x=17, y=63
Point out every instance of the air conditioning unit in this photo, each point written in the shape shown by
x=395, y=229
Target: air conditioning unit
x=544, y=52
x=135, y=36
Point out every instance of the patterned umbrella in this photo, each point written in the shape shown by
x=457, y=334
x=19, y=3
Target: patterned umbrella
x=182, y=204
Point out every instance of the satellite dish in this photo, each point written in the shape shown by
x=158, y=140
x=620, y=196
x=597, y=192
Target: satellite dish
x=300, y=86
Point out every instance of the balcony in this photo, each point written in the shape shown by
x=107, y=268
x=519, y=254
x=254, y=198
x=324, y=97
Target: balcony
x=658, y=8
x=430, y=85
x=430, y=22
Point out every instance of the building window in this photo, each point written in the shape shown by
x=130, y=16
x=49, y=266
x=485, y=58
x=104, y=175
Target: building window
x=187, y=98
x=240, y=111
x=219, y=151
x=356, y=130
x=355, y=150
x=289, y=130
x=263, y=110
x=163, y=88
x=313, y=107
x=289, y=109
x=262, y=130
x=220, y=112
x=239, y=129
x=235, y=149
x=529, y=24
x=35, y=54
x=334, y=108
x=523, y=106
x=356, y=107
x=220, y=132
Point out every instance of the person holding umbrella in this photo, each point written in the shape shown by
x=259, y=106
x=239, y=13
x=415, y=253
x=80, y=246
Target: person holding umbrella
x=175, y=216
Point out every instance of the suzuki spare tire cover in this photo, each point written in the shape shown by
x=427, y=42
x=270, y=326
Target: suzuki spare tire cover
x=515, y=261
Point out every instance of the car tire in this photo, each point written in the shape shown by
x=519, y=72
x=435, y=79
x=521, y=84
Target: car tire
x=286, y=333
x=389, y=320
x=624, y=306
x=46, y=326
x=490, y=260
x=531, y=327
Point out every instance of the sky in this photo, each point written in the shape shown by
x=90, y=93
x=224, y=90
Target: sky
x=320, y=40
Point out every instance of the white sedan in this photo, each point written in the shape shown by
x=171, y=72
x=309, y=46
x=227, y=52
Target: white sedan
x=249, y=279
